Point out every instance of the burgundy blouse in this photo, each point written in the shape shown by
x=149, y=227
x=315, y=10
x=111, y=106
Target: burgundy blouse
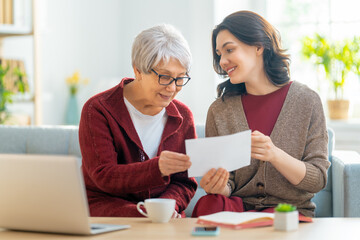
x=262, y=111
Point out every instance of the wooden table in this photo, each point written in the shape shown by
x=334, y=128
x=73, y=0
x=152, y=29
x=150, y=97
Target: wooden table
x=142, y=228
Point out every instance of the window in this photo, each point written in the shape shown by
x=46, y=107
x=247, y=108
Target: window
x=336, y=19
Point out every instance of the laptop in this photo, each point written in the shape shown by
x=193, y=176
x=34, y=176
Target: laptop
x=45, y=193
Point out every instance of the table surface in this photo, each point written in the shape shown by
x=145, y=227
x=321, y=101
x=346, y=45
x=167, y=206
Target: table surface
x=142, y=228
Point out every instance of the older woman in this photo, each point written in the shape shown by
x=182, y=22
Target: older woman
x=132, y=136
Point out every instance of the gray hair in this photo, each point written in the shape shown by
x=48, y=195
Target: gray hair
x=158, y=43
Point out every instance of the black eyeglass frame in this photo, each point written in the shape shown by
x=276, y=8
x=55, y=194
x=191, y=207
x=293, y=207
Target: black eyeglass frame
x=187, y=79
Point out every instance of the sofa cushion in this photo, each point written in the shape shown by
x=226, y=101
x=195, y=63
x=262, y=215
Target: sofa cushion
x=40, y=140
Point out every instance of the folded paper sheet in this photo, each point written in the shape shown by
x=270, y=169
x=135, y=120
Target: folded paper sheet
x=230, y=152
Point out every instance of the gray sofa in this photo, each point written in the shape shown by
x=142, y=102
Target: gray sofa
x=340, y=198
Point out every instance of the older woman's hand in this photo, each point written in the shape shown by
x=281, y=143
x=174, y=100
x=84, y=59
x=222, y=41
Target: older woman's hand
x=173, y=162
x=215, y=182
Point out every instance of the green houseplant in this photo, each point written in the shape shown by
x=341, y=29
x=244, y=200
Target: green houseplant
x=355, y=48
x=6, y=96
x=337, y=58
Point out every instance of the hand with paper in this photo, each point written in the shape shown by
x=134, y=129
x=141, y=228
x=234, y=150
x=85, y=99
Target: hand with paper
x=215, y=182
x=173, y=162
x=230, y=152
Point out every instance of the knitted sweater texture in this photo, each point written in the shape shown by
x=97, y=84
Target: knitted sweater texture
x=300, y=131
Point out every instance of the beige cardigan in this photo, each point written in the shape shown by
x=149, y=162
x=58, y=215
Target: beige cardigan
x=300, y=130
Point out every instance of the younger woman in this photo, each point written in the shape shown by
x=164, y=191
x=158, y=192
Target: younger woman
x=289, y=139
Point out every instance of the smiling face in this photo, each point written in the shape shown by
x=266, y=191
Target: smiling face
x=242, y=62
x=151, y=96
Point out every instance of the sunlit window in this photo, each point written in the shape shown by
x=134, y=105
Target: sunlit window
x=335, y=19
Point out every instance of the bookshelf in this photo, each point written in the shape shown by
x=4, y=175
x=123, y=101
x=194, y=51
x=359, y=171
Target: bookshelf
x=16, y=17
x=17, y=25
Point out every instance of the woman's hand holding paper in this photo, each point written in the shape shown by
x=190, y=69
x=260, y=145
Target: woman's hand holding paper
x=215, y=182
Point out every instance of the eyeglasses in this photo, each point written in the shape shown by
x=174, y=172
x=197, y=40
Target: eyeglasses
x=167, y=80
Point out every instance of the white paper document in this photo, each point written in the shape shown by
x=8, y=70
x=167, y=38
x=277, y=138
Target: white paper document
x=230, y=152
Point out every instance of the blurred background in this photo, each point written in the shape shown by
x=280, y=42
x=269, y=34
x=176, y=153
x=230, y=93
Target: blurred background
x=62, y=45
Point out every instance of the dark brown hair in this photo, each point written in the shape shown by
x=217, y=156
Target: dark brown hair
x=252, y=29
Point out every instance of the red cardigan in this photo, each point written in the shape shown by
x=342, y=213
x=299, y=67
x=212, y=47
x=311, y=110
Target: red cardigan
x=117, y=171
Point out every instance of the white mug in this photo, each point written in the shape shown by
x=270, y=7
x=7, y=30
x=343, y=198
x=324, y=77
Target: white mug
x=159, y=210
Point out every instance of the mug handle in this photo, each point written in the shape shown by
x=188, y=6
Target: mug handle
x=138, y=205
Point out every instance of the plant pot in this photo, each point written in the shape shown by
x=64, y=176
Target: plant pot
x=338, y=109
x=286, y=221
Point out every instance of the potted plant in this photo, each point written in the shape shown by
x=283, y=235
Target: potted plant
x=337, y=60
x=72, y=112
x=355, y=48
x=286, y=217
x=5, y=94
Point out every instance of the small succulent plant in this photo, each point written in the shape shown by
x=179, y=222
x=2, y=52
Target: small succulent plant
x=285, y=207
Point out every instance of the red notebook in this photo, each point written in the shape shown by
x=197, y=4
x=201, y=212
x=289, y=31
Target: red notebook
x=236, y=220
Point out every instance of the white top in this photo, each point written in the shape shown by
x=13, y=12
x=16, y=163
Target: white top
x=149, y=128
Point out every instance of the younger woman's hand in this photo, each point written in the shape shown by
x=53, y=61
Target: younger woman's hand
x=262, y=147
x=215, y=182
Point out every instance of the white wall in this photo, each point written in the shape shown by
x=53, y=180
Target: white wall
x=77, y=35
x=226, y=7
x=95, y=37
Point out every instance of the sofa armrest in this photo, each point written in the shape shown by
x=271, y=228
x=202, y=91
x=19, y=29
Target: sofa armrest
x=346, y=190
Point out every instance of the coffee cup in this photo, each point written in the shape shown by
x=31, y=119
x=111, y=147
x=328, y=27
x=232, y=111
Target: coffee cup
x=159, y=210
